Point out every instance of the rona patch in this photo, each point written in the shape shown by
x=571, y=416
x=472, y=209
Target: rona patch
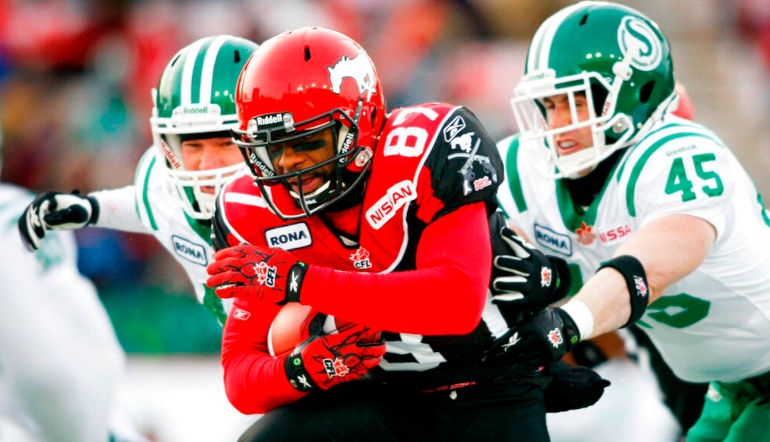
x=290, y=237
x=189, y=250
x=551, y=240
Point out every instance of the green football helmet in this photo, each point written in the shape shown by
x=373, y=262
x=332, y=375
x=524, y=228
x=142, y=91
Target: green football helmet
x=617, y=58
x=195, y=99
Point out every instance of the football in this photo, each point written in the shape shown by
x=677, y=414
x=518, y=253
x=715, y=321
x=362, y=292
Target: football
x=284, y=333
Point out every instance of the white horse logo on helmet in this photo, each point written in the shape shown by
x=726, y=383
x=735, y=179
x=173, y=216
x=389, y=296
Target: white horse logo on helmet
x=359, y=69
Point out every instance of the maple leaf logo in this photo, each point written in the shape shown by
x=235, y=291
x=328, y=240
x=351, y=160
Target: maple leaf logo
x=265, y=274
x=340, y=369
x=360, y=254
x=335, y=367
x=545, y=276
x=554, y=336
x=585, y=234
x=361, y=259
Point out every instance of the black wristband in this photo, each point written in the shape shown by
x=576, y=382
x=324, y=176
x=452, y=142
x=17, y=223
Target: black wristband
x=636, y=281
x=294, y=281
x=94, y=209
x=296, y=373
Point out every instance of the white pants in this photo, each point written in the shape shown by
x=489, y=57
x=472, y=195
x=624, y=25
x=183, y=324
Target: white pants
x=59, y=358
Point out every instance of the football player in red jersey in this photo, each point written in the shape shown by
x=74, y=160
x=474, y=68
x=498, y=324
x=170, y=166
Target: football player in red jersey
x=381, y=219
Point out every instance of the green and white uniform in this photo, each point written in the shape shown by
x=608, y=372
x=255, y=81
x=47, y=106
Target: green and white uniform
x=711, y=325
x=60, y=361
x=607, y=68
x=152, y=205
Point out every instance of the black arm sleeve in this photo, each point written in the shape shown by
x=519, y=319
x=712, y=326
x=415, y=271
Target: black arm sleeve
x=465, y=164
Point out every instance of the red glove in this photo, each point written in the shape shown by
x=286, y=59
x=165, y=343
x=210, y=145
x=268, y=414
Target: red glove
x=272, y=275
x=327, y=360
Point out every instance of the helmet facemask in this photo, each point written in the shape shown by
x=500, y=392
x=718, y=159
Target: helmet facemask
x=610, y=131
x=197, y=188
x=265, y=131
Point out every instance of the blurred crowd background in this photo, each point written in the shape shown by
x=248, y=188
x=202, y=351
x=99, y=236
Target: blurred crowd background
x=75, y=80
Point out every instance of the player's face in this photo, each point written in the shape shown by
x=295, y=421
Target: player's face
x=300, y=154
x=210, y=153
x=559, y=115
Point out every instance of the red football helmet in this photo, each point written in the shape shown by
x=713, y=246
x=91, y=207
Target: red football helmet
x=297, y=84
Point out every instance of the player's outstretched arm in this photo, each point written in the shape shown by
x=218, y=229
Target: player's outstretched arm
x=659, y=254
x=668, y=249
x=56, y=211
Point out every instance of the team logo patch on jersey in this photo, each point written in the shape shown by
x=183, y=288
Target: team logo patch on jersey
x=463, y=142
x=189, y=250
x=386, y=207
x=585, y=234
x=290, y=237
x=361, y=259
x=639, y=41
x=358, y=68
x=453, y=128
x=241, y=314
x=469, y=172
x=551, y=240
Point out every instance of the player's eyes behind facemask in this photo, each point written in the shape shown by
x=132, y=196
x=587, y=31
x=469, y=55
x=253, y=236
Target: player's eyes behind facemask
x=274, y=151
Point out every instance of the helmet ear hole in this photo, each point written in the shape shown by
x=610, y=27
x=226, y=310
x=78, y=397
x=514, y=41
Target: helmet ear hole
x=599, y=94
x=646, y=91
x=236, y=56
x=374, y=115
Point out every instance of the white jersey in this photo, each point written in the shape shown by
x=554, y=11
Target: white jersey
x=713, y=324
x=59, y=358
x=188, y=240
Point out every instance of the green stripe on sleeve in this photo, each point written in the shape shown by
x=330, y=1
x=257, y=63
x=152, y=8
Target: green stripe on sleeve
x=512, y=173
x=146, y=197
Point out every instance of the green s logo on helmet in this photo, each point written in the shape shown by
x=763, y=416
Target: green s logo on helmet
x=638, y=41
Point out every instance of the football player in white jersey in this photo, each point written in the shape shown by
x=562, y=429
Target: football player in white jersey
x=60, y=362
x=659, y=222
x=178, y=177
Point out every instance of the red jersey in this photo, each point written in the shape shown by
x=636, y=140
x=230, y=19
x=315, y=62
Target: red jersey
x=418, y=269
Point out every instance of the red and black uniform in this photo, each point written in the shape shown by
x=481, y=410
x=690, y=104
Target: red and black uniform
x=418, y=270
